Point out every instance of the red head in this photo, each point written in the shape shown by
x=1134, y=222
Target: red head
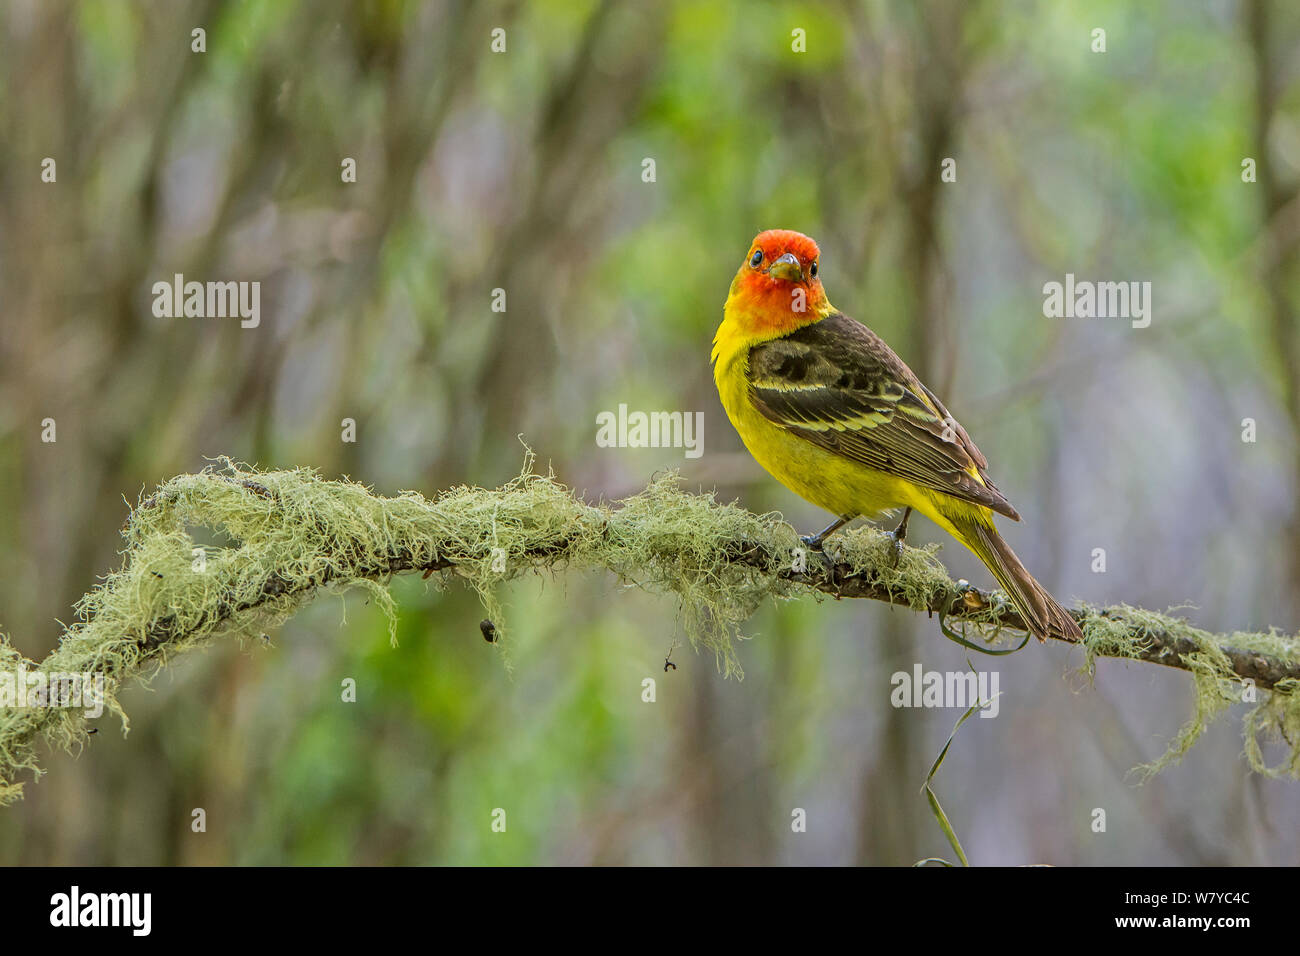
x=778, y=282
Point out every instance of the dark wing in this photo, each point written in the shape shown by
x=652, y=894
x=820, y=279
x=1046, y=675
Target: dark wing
x=838, y=385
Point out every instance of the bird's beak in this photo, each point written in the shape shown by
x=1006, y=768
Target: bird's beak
x=787, y=267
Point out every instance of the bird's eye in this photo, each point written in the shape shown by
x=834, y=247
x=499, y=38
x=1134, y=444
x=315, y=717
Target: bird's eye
x=757, y=258
x=812, y=271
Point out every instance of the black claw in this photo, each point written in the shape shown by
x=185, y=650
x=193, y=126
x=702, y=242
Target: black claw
x=898, y=534
x=814, y=541
x=898, y=548
x=832, y=573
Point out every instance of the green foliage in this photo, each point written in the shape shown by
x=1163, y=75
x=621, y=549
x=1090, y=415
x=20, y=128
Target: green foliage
x=935, y=807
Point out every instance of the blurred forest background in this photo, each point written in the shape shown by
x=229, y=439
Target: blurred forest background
x=522, y=170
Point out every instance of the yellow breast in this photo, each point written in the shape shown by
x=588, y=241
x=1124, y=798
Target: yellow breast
x=822, y=477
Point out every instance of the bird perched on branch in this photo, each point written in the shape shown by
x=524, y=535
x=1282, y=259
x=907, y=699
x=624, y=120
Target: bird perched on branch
x=828, y=408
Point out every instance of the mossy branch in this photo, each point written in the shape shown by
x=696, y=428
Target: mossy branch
x=292, y=533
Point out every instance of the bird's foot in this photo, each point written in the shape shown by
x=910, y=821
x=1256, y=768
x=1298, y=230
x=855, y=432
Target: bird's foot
x=813, y=542
x=816, y=542
x=897, y=535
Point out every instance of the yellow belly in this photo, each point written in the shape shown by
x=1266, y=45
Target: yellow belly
x=840, y=486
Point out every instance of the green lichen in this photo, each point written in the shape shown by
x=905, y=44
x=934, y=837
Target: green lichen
x=292, y=533
x=1127, y=632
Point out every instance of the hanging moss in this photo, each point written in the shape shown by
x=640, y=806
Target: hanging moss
x=293, y=533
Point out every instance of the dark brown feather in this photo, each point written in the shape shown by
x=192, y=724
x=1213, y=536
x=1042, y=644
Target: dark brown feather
x=838, y=385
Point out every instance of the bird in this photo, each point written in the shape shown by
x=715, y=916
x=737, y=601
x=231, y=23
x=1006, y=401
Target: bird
x=832, y=412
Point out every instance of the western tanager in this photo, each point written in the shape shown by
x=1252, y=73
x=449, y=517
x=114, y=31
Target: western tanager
x=828, y=408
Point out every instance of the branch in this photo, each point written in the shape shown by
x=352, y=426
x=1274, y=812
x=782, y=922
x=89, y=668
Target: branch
x=294, y=533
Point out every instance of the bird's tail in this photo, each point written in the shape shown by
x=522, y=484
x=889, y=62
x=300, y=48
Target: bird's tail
x=1044, y=616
